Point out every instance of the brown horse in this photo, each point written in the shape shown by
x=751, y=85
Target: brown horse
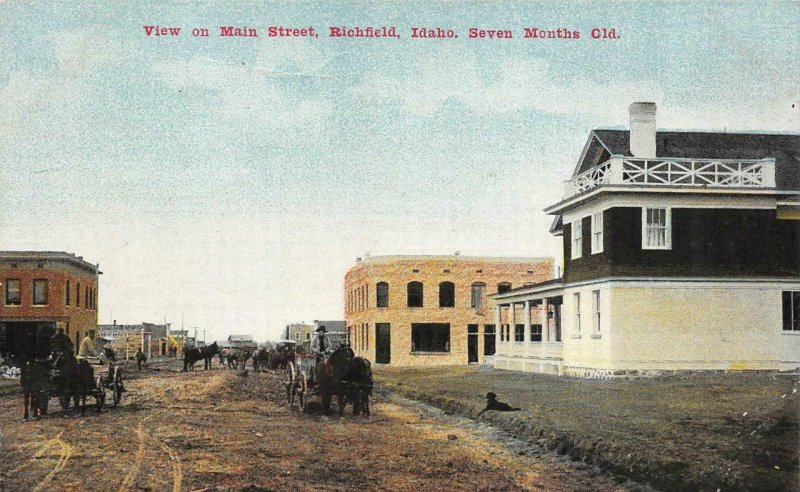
x=74, y=380
x=346, y=376
x=193, y=355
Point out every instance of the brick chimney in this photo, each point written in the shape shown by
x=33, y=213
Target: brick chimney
x=643, y=129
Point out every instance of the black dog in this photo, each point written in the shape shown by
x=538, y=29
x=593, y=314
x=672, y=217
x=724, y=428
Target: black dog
x=493, y=404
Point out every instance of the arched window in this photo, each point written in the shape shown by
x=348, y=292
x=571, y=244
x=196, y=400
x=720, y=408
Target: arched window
x=382, y=295
x=503, y=287
x=415, y=294
x=478, y=291
x=447, y=294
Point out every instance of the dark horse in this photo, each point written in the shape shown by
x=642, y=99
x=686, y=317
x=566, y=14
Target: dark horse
x=194, y=355
x=34, y=378
x=346, y=376
x=74, y=379
x=260, y=359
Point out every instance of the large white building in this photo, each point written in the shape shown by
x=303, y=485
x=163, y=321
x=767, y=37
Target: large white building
x=681, y=252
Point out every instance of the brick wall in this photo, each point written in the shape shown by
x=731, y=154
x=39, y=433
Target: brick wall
x=397, y=272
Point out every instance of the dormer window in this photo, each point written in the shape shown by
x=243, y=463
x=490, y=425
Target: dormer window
x=577, y=239
x=656, y=228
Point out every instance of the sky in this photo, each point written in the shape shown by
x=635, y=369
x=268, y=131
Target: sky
x=228, y=184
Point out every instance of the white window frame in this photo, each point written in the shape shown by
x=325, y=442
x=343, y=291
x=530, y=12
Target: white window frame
x=667, y=228
x=576, y=298
x=596, y=310
x=597, y=232
x=577, y=238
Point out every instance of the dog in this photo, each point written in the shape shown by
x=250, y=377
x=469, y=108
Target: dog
x=493, y=404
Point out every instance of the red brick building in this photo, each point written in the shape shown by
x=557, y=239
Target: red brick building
x=41, y=292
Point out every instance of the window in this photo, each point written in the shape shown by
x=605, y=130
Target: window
x=13, y=292
x=488, y=340
x=78, y=295
x=596, y=309
x=430, y=337
x=67, y=294
x=519, y=333
x=577, y=239
x=382, y=295
x=656, y=228
x=503, y=287
x=415, y=294
x=40, y=291
x=597, y=233
x=536, y=333
x=791, y=310
x=577, y=300
x=502, y=333
x=478, y=291
x=447, y=294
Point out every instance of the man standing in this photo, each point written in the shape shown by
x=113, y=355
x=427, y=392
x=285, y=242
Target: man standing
x=140, y=357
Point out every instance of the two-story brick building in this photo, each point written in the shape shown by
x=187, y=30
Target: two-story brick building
x=43, y=291
x=681, y=252
x=430, y=310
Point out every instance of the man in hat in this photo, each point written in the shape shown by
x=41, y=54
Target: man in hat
x=320, y=343
x=493, y=404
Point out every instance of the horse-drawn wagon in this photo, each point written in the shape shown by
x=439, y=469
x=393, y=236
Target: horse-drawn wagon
x=342, y=374
x=68, y=379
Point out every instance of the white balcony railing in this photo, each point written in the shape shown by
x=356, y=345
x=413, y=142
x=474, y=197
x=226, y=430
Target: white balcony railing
x=711, y=173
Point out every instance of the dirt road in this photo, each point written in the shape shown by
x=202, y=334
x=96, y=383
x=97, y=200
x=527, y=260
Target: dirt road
x=220, y=431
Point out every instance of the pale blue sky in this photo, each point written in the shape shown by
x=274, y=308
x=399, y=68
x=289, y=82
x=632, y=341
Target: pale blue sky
x=234, y=181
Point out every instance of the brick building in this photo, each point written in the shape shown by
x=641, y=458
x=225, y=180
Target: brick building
x=300, y=333
x=43, y=291
x=430, y=310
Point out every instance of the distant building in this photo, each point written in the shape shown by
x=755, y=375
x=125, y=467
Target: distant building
x=241, y=341
x=299, y=333
x=150, y=337
x=430, y=310
x=43, y=291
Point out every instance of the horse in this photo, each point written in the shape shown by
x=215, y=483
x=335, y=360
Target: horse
x=193, y=355
x=279, y=360
x=346, y=376
x=358, y=379
x=74, y=380
x=260, y=359
x=34, y=378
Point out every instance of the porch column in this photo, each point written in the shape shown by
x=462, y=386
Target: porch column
x=510, y=332
x=497, y=324
x=545, y=322
x=527, y=317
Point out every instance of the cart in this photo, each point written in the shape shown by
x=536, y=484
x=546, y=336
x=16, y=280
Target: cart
x=299, y=379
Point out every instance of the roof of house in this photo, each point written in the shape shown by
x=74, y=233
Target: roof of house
x=240, y=338
x=784, y=147
x=49, y=256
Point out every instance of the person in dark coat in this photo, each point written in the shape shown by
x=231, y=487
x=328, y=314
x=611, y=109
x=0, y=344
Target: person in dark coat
x=493, y=404
x=140, y=357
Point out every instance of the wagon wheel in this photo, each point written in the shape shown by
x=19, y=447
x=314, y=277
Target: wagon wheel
x=302, y=392
x=291, y=380
x=116, y=388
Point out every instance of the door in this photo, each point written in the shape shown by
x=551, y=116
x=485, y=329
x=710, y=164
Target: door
x=383, y=343
x=472, y=344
